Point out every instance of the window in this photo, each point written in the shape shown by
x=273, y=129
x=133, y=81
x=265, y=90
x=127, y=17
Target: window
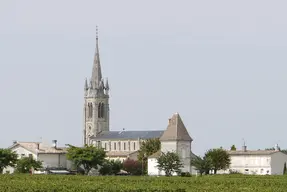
x=101, y=110
x=115, y=146
x=124, y=146
x=105, y=146
x=134, y=146
x=119, y=145
x=90, y=110
x=30, y=156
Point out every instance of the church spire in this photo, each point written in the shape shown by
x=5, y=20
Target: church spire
x=97, y=72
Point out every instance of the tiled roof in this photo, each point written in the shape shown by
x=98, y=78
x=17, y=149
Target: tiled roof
x=176, y=130
x=253, y=152
x=37, y=147
x=113, y=135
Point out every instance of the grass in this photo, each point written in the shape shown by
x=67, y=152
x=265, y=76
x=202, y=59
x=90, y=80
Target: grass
x=222, y=183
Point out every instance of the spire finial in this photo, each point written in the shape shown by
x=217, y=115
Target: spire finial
x=97, y=32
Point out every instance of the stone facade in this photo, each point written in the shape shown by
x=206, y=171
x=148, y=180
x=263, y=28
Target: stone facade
x=96, y=102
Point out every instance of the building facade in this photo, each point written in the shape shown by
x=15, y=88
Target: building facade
x=96, y=101
x=174, y=139
x=51, y=155
x=256, y=162
x=118, y=144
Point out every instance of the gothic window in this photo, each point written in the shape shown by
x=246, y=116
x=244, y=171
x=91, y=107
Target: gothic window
x=101, y=110
x=90, y=110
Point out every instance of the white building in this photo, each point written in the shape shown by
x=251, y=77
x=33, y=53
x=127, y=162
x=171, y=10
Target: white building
x=260, y=162
x=51, y=156
x=174, y=139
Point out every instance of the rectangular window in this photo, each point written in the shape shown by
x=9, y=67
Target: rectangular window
x=119, y=146
x=134, y=146
x=115, y=146
x=124, y=146
x=105, y=146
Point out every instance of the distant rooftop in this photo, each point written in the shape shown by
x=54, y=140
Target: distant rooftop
x=38, y=147
x=253, y=152
x=113, y=135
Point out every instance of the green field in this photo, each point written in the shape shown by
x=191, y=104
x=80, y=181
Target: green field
x=28, y=183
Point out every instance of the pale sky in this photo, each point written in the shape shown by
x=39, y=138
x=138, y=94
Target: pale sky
x=220, y=64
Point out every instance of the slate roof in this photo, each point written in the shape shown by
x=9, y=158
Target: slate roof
x=176, y=130
x=253, y=152
x=121, y=135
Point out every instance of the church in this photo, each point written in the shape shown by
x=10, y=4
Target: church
x=125, y=144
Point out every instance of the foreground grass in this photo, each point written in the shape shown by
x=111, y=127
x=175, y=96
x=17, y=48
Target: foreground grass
x=63, y=183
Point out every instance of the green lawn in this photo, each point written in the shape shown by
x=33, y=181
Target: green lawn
x=221, y=183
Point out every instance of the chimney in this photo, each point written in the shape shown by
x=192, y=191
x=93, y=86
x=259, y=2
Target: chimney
x=54, y=143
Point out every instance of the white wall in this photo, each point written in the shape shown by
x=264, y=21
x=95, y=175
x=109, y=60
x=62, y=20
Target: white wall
x=183, y=150
x=250, y=164
x=277, y=163
x=168, y=146
x=53, y=160
x=153, y=169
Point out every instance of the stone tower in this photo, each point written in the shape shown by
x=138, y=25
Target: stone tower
x=177, y=139
x=96, y=101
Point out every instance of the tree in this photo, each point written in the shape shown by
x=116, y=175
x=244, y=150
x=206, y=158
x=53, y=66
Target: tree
x=284, y=169
x=111, y=167
x=148, y=147
x=169, y=162
x=233, y=148
x=88, y=156
x=220, y=159
x=26, y=163
x=7, y=158
x=133, y=167
x=203, y=165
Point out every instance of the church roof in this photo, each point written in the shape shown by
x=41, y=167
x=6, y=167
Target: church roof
x=176, y=130
x=128, y=135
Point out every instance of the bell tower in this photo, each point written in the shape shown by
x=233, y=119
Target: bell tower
x=96, y=101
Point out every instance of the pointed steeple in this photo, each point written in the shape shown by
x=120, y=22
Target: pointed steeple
x=86, y=84
x=107, y=87
x=176, y=130
x=97, y=72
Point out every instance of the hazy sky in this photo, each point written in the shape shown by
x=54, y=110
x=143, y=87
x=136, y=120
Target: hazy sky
x=220, y=64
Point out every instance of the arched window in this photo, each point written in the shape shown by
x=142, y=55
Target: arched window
x=101, y=110
x=90, y=110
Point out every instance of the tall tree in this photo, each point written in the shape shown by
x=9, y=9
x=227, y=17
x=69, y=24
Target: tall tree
x=284, y=169
x=88, y=156
x=220, y=159
x=202, y=165
x=233, y=148
x=26, y=163
x=147, y=148
x=7, y=158
x=111, y=167
x=169, y=162
x=133, y=167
